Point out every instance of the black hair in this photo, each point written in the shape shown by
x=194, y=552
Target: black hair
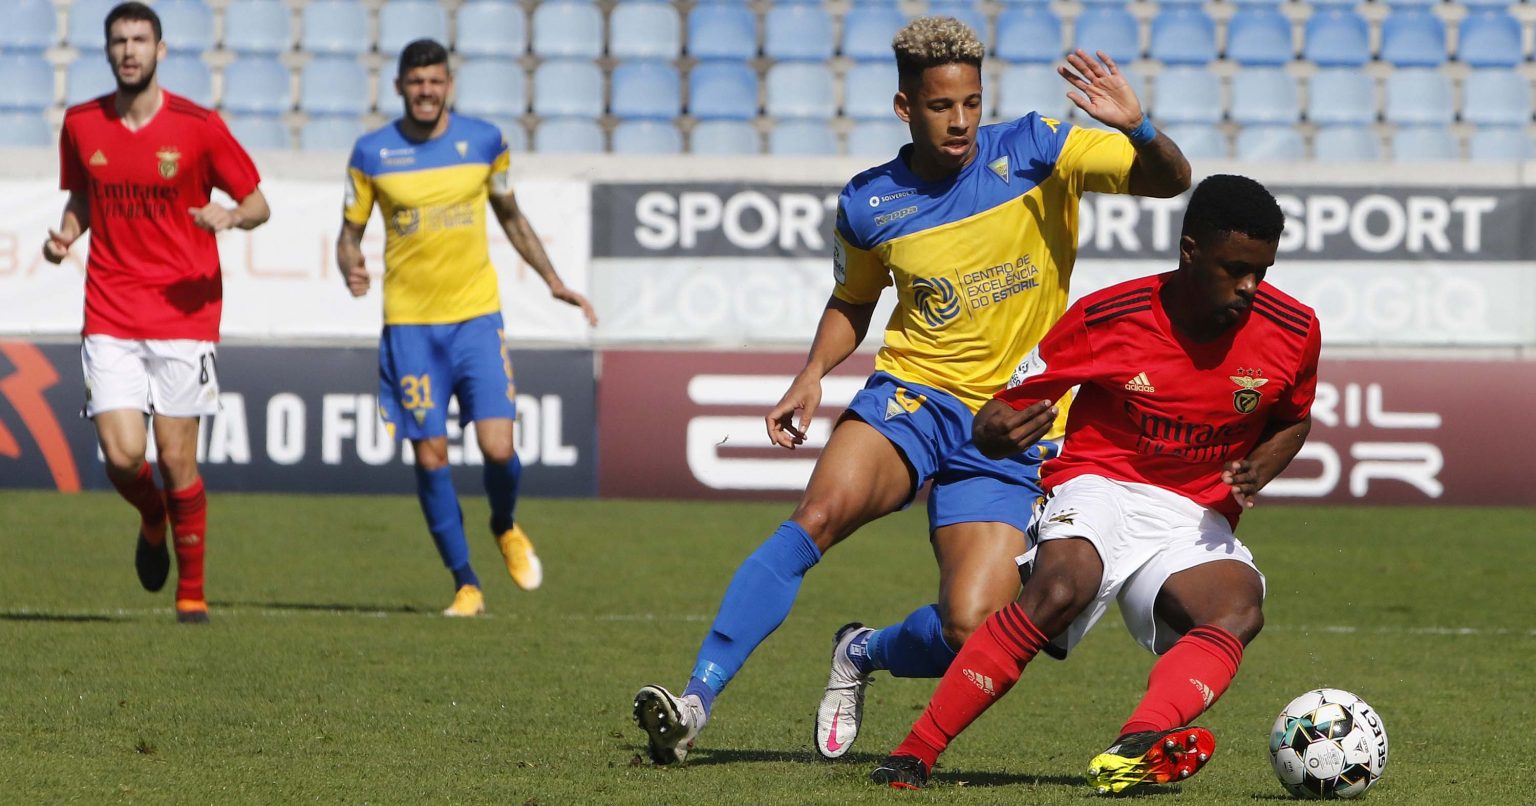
x=132, y=10
x=422, y=53
x=1225, y=203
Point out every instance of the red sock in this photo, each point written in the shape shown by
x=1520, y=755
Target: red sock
x=987, y=666
x=1187, y=679
x=189, y=521
x=146, y=498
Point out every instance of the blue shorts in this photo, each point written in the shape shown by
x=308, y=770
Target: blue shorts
x=932, y=429
x=421, y=366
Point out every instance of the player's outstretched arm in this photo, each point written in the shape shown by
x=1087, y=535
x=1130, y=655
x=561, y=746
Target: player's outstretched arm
x=72, y=224
x=1160, y=168
x=1000, y=430
x=251, y=213
x=527, y=244
x=349, y=257
x=1268, y=459
x=841, y=329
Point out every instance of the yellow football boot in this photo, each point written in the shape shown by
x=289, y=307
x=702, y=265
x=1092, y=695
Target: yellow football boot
x=522, y=564
x=1151, y=758
x=469, y=601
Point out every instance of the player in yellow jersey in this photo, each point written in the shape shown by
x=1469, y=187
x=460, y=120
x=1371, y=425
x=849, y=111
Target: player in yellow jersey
x=432, y=173
x=977, y=230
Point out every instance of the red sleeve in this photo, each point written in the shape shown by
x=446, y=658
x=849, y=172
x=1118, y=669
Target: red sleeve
x=230, y=167
x=1062, y=360
x=1297, y=402
x=72, y=175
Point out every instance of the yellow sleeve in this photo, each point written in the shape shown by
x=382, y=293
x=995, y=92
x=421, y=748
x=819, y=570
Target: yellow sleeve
x=359, y=196
x=500, y=180
x=1096, y=160
x=859, y=275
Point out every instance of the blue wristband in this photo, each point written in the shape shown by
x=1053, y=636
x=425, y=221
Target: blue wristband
x=1143, y=134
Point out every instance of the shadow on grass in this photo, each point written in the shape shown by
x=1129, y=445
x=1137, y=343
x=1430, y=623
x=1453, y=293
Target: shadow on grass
x=323, y=607
x=704, y=757
x=58, y=617
x=980, y=779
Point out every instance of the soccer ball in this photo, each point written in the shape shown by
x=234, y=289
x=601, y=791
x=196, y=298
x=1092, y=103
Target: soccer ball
x=1328, y=744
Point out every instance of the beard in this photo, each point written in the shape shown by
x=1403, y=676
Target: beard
x=134, y=88
x=427, y=123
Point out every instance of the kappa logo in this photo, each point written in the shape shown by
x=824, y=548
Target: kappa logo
x=1246, y=399
x=1140, y=383
x=462, y=147
x=1205, y=692
x=999, y=166
x=901, y=403
x=982, y=682
x=98, y=158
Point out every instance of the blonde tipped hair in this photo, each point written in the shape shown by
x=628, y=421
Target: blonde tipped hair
x=933, y=41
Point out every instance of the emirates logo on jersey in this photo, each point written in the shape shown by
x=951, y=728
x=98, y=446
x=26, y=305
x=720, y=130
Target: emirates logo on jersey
x=170, y=162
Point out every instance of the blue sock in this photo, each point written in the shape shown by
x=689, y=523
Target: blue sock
x=440, y=505
x=755, y=604
x=501, y=488
x=913, y=648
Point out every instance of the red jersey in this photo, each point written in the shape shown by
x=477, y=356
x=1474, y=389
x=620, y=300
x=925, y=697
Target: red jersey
x=151, y=273
x=1154, y=407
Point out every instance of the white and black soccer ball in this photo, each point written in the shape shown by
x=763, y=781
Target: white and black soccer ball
x=1328, y=743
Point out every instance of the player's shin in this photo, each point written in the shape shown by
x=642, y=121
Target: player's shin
x=1187, y=680
x=189, y=523
x=913, y=648
x=501, y=485
x=141, y=492
x=440, y=506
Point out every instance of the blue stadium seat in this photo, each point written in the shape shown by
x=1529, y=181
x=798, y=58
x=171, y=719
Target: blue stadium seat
x=30, y=26
x=799, y=33
x=261, y=133
x=722, y=91
x=1264, y=95
x=336, y=133
x=568, y=88
x=965, y=11
x=1025, y=88
x=647, y=137
x=402, y=22
x=1199, y=142
x=800, y=90
x=187, y=76
x=25, y=130
x=1027, y=34
x=85, y=24
x=1346, y=144
x=880, y=139
x=335, y=28
x=722, y=32
x=1397, y=4
x=28, y=83
x=1482, y=5
x=512, y=131
x=725, y=138
x=1259, y=36
x=1341, y=96
x=1187, y=95
x=334, y=86
x=568, y=136
x=567, y=28
x=644, y=30
x=868, y=89
x=258, y=27
x=1413, y=37
x=1419, y=96
x=867, y=32
x=646, y=90
x=88, y=77
x=1111, y=29
x=496, y=29
x=256, y=86
x=802, y=138
x=1496, y=97
x=1337, y=38
x=491, y=88
x=1334, y=4
x=1424, y=144
x=1265, y=143
x=185, y=25
x=1490, y=38
x=1509, y=143
x=1183, y=36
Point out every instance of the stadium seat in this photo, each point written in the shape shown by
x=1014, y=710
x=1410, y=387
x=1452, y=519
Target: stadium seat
x=1413, y=37
x=647, y=137
x=797, y=33
x=1337, y=38
x=28, y=82
x=512, y=131
x=867, y=32
x=334, y=86
x=802, y=138
x=568, y=136
x=1483, y=5
x=402, y=22
x=1424, y=144
x=568, y=29
x=1334, y=4
x=336, y=133
x=1259, y=36
x=722, y=32
x=568, y=88
x=85, y=21
x=1489, y=38
x=1496, y=97
x=88, y=77
x=256, y=86
x=1187, y=95
x=1199, y=141
x=1264, y=95
x=185, y=25
x=1397, y=4
x=1183, y=35
x=1341, y=96
x=335, y=28
x=1025, y=88
x=646, y=90
x=1247, y=4
x=261, y=133
x=1027, y=34
x=722, y=91
x=644, y=30
x=30, y=26
x=1346, y=144
x=25, y=130
x=1419, y=96
x=1111, y=29
x=800, y=90
x=1501, y=143
x=868, y=89
x=725, y=138
x=258, y=27
x=880, y=139
x=1265, y=143
x=965, y=11
x=491, y=88
x=496, y=29
x=187, y=76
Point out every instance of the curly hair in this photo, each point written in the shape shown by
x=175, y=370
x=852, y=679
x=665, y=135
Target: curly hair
x=933, y=41
x=1225, y=203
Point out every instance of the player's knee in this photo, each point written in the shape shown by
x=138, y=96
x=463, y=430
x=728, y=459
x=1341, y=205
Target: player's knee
x=430, y=461
x=823, y=520
x=1244, y=621
x=1053, y=601
x=178, y=459
x=497, y=454
x=121, y=459
x=958, y=627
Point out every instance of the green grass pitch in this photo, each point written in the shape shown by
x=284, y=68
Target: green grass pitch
x=327, y=675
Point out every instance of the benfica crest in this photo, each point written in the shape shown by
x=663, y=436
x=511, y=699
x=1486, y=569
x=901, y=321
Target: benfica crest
x=170, y=161
x=1247, y=398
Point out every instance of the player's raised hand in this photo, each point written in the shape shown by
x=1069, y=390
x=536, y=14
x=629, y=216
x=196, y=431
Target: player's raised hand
x=1000, y=430
x=57, y=246
x=1102, y=91
x=1243, y=480
x=214, y=217
x=566, y=295
x=803, y=396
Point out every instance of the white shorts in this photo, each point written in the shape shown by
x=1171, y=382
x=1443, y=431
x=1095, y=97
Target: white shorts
x=169, y=377
x=1144, y=535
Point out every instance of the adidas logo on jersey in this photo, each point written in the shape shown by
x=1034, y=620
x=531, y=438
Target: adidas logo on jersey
x=982, y=682
x=98, y=158
x=1140, y=383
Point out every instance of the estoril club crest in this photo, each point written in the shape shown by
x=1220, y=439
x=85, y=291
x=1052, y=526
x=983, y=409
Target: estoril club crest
x=170, y=162
x=935, y=297
x=1247, y=398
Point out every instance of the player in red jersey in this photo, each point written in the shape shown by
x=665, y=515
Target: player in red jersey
x=1195, y=390
x=139, y=165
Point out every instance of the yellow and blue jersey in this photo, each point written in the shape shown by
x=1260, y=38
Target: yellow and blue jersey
x=980, y=260
x=432, y=195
